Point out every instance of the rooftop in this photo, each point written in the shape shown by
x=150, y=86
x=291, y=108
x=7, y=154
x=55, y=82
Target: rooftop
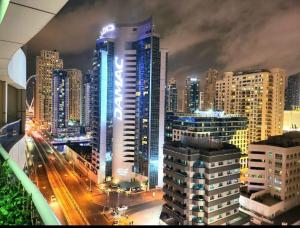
x=209, y=113
x=204, y=149
x=250, y=71
x=267, y=199
x=290, y=139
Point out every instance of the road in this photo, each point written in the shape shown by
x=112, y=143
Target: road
x=145, y=214
x=74, y=187
x=64, y=199
x=39, y=176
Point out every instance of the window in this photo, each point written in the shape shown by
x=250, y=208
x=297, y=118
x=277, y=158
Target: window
x=270, y=154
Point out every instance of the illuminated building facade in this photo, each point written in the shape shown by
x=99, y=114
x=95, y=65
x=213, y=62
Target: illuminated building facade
x=129, y=70
x=201, y=183
x=258, y=95
x=86, y=114
x=60, y=102
x=191, y=94
x=212, y=126
x=75, y=84
x=171, y=96
x=292, y=92
x=45, y=64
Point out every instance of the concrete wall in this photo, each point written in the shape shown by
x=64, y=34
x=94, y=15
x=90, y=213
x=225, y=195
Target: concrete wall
x=267, y=211
x=71, y=155
x=17, y=153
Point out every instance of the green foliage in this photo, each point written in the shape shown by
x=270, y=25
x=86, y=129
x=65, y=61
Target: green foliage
x=14, y=201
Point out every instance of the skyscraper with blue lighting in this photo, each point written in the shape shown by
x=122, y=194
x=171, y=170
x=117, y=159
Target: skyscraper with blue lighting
x=60, y=102
x=127, y=98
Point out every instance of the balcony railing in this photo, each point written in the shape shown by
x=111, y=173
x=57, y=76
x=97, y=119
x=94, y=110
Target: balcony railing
x=9, y=134
x=21, y=202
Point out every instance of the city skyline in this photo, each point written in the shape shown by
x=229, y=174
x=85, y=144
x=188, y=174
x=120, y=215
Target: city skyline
x=135, y=112
x=207, y=40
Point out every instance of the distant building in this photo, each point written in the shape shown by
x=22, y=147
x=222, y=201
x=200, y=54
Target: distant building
x=171, y=96
x=75, y=84
x=201, y=183
x=256, y=94
x=274, y=175
x=60, y=101
x=292, y=92
x=86, y=114
x=169, y=126
x=210, y=89
x=45, y=64
x=291, y=120
x=210, y=125
x=62, y=125
x=191, y=94
x=201, y=101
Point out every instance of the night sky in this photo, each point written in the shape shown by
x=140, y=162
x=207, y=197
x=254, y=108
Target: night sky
x=199, y=34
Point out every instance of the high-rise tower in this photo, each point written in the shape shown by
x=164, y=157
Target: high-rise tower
x=60, y=102
x=171, y=96
x=129, y=70
x=191, y=94
x=210, y=89
x=75, y=80
x=258, y=95
x=45, y=64
x=292, y=92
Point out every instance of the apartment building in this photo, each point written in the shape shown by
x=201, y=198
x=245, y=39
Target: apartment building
x=201, y=183
x=45, y=64
x=274, y=175
x=258, y=95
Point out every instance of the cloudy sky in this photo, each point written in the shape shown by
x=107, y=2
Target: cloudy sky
x=199, y=34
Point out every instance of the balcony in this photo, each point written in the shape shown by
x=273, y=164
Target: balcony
x=198, y=212
x=199, y=167
x=21, y=202
x=176, y=164
x=182, y=209
x=9, y=134
x=181, y=176
x=197, y=221
x=198, y=200
x=198, y=179
x=182, y=198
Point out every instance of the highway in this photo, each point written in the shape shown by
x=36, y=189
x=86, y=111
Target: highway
x=76, y=200
x=63, y=196
x=40, y=178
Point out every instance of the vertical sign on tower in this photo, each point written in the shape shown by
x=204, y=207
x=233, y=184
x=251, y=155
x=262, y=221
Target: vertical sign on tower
x=118, y=88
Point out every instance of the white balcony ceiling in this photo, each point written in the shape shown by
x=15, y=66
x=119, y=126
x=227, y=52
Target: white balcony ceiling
x=23, y=20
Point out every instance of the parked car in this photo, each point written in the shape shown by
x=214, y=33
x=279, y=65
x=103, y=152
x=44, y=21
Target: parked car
x=115, y=222
x=52, y=198
x=122, y=208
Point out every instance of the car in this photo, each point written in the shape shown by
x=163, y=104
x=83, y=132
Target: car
x=52, y=198
x=114, y=186
x=122, y=208
x=115, y=222
x=113, y=213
